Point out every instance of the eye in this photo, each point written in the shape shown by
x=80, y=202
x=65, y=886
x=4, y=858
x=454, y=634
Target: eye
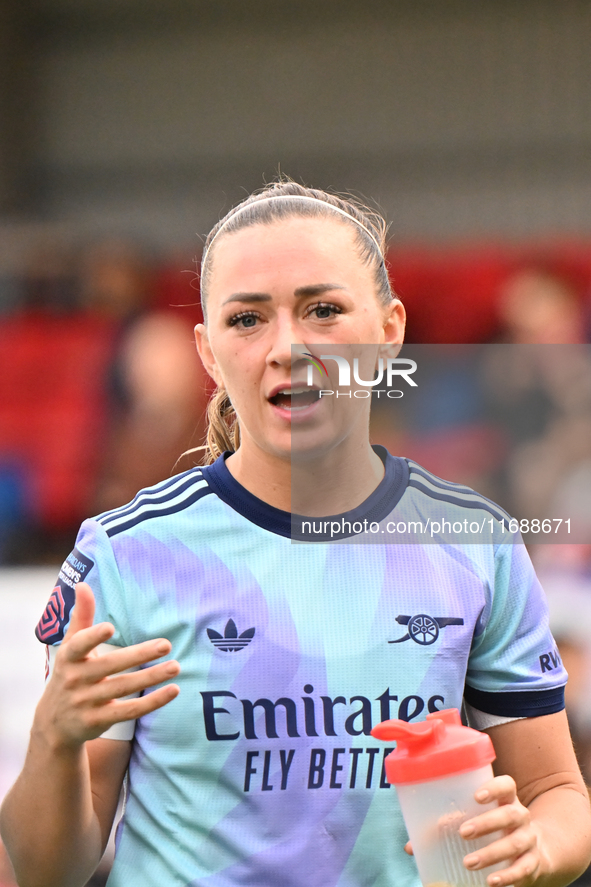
x=245, y=320
x=323, y=310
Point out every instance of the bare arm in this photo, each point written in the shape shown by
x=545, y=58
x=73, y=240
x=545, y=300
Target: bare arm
x=108, y=760
x=66, y=802
x=56, y=819
x=544, y=806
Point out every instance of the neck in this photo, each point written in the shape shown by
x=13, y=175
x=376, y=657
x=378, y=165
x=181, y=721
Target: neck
x=333, y=483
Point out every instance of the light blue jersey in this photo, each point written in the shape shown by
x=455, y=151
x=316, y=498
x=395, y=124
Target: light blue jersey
x=263, y=772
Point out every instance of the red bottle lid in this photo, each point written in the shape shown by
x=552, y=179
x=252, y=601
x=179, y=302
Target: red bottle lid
x=432, y=749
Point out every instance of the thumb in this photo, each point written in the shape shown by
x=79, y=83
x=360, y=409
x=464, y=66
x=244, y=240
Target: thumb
x=82, y=615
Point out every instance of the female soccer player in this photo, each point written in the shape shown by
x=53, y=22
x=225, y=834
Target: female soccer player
x=263, y=771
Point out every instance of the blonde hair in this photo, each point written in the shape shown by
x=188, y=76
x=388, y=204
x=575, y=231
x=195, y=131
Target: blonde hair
x=263, y=208
x=223, y=430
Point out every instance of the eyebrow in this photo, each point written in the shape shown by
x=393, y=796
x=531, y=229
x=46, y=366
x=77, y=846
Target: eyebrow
x=314, y=289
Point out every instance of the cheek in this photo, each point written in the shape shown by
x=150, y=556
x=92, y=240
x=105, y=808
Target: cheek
x=229, y=366
x=369, y=323
x=238, y=373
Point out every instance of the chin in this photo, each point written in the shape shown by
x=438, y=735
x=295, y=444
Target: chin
x=313, y=446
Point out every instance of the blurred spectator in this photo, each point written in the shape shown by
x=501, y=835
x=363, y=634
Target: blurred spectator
x=539, y=307
x=115, y=280
x=541, y=395
x=157, y=387
x=165, y=393
x=443, y=422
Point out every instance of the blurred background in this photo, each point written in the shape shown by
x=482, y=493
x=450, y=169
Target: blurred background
x=127, y=128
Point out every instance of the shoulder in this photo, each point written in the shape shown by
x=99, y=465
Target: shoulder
x=434, y=488
x=164, y=499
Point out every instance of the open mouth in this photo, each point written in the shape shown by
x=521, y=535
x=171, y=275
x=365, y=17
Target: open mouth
x=295, y=398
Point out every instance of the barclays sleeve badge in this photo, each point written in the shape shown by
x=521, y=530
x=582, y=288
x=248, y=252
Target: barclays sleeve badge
x=56, y=616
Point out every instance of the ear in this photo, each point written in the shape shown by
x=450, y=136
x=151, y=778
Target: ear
x=394, y=323
x=206, y=354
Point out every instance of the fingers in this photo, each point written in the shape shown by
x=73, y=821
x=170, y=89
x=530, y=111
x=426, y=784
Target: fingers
x=523, y=866
x=73, y=709
x=83, y=611
x=85, y=695
x=507, y=817
x=82, y=636
x=99, y=719
x=525, y=869
x=122, y=658
x=131, y=709
x=507, y=848
x=122, y=685
x=84, y=640
x=408, y=848
x=516, y=845
x=99, y=679
x=501, y=789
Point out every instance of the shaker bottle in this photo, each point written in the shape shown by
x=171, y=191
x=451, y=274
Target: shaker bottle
x=436, y=768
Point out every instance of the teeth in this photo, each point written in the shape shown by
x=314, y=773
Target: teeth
x=290, y=391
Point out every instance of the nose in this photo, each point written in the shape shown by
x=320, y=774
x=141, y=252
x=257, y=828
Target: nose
x=286, y=332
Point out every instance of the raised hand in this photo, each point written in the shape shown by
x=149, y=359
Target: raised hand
x=82, y=698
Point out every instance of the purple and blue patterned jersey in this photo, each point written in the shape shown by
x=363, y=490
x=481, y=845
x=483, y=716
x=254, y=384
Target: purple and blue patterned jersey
x=263, y=772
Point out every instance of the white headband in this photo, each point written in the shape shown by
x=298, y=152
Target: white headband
x=322, y=203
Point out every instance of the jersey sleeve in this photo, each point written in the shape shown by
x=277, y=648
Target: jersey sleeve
x=514, y=668
x=93, y=561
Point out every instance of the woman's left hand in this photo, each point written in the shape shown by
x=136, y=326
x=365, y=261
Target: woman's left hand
x=520, y=846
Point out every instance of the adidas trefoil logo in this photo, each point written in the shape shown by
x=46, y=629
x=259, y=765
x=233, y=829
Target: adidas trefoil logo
x=231, y=641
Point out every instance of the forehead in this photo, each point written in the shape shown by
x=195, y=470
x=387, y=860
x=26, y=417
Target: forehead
x=288, y=253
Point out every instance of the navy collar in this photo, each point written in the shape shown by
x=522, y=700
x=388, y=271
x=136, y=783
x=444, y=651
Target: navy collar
x=374, y=509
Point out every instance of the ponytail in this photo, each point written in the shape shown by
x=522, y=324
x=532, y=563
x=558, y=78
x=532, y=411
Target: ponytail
x=223, y=430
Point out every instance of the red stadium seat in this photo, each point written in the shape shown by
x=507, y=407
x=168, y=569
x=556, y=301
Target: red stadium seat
x=52, y=408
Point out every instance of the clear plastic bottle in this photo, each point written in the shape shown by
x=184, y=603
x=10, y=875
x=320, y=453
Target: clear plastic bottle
x=437, y=767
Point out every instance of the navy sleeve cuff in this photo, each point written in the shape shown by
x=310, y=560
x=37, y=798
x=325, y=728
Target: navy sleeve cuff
x=521, y=704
